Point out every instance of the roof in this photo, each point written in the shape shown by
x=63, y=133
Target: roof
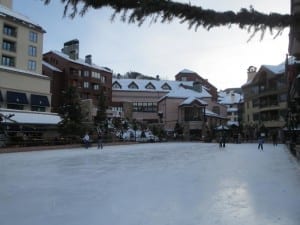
x=79, y=61
x=31, y=117
x=187, y=93
x=229, y=98
x=143, y=84
x=187, y=71
x=50, y=66
x=12, y=69
x=190, y=100
x=6, y=12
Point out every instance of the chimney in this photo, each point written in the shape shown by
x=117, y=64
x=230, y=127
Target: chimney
x=157, y=77
x=251, y=72
x=6, y=3
x=71, y=48
x=88, y=59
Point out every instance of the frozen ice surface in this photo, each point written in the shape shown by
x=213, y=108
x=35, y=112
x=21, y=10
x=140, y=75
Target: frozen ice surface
x=151, y=184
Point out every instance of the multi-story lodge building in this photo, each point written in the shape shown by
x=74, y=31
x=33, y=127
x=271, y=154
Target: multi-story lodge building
x=234, y=102
x=167, y=103
x=66, y=69
x=265, y=98
x=24, y=92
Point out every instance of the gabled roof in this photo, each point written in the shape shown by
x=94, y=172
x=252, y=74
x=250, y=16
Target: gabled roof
x=230, y=98
x=79, y=61
x=192, y=100
x=187, y=71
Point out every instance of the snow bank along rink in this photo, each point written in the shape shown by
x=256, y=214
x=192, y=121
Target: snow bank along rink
x=151, y=184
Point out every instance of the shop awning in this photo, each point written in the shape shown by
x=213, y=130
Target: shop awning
x=16, y=98
x=39, y=100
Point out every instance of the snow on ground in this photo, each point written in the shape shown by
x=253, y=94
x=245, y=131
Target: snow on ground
x=151, y=184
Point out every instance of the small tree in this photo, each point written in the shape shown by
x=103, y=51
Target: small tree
x=71, y=114
x=100, y=118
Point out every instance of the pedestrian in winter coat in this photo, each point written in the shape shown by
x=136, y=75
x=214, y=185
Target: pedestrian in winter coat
x=100, y=140
x=86, y=140
x=260, y=143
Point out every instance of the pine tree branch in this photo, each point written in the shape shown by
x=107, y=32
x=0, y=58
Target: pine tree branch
x=137, y=11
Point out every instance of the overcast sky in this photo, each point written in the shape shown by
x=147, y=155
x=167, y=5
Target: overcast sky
x=221, y=55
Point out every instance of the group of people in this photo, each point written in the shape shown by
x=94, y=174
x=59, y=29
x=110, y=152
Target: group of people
x=87, y=142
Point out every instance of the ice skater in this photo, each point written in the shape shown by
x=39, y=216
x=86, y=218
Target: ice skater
x=86, y=140
x=260, y=143
x=100, y=139
x=222, y=141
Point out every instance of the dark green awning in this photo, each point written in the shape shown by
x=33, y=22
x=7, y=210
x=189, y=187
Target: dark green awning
x=39, y=100
x=16, y=98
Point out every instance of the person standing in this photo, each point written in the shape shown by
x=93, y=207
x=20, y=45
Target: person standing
x=86, y=140
x=100, y=139
x=260, y=143
x=274, y=139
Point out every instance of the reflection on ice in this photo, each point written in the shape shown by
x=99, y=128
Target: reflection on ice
x=151, y=184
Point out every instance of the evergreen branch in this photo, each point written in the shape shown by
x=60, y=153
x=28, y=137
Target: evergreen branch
x=137, y=11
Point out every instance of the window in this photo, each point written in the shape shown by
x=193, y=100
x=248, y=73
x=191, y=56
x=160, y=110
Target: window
x=9, y=46
x=166, y=87
x=116, y=85
x=103, y=79
x=86, y=73
x=145, y=107
x=133, y=85
x=32, y=65
x=8, y=61
x=9, y=30
x=33, y=36
x=96, y=75
x=150, y=86
x=38, y=108
x=96, y=86
x=86, y=84
x=31, y=50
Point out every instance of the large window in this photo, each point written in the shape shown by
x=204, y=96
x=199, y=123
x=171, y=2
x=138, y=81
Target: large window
x=8, y=61
x=9, y=46
x=33, y=36
x=193, y=114
x=9, y=30
x=145, y=107
x=32, y=65
x=32, y=50
x=86, y=84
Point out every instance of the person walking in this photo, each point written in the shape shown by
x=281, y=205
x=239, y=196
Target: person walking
x=260, y=143
x=100, y=139
x=274, y=139
x=86, y=140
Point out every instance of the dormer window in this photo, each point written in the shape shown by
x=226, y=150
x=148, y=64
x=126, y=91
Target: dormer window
x=166, y=87
x=133, y=85
x=150, y=86
x=116, y=85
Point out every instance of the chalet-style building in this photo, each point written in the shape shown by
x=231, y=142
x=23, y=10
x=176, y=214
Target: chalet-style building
x=188, y=75
x=167, y=103
x=265, y=99
x=234, y=102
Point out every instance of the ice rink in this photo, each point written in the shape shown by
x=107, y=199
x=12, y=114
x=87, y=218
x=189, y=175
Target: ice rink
x=151, y=184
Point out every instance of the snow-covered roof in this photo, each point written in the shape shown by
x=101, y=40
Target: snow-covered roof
x=80, y=61
x=232, y=110
x=51, y=67
x=187, y=93
x=190, y=100
x=146, y=85
x=12, y=69
x=212, y=114
x=4, y=11
x=31, y=117
x=279, y=69
x=187, y=71
x=229, y=98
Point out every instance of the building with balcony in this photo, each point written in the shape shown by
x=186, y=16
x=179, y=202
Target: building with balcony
x=25, y=92
x=265, y=99
x=66, y=69
x=234, y=101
